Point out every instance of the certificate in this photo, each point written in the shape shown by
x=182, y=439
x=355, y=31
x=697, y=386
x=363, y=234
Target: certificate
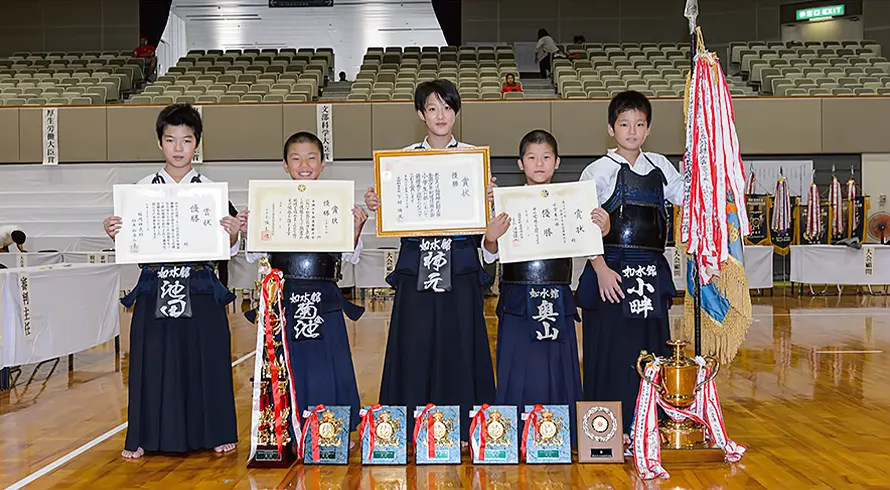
x=171, y=223
x=300, y=216
x=548, y=221
x=432, y=193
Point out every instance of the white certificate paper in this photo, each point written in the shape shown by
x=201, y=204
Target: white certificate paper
x=300, y=216
x=549, y=221
x=432, y=193
x=171, y=223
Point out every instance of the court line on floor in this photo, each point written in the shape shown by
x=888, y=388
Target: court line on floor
x=86, y=447
x=849, y=352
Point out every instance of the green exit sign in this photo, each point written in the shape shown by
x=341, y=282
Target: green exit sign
x=820, y=12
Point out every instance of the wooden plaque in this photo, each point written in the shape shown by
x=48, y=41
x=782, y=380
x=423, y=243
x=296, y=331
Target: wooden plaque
x=600, y=433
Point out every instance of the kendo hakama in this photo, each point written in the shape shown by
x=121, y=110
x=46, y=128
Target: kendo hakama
x=537, y=348
x=438, y=350
x=181, y=394
x=321, y=365
x=614, y=334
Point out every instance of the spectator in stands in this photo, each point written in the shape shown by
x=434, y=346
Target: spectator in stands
x=510, y=85
x=544, y=51
x=11, y=234
x=147, y=52
x=343, y=76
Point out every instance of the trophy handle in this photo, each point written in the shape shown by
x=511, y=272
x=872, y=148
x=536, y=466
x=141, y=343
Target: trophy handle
x=647, y=358
x=715, y=368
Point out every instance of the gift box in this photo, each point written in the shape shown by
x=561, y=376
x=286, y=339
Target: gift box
x=383, y=433
x=494, y=432
x=545, y=435
x=326, y=435
x=437, y=435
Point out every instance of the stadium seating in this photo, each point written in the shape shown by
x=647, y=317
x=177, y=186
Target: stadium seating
x=392, y=73
x=812, y=68
x=251, y=75
x=62, y=78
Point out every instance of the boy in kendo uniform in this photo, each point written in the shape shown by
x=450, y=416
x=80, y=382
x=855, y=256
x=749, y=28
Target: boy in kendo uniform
x=319, y=360
x=537, y=349
x=181, y=394
x=437, y=350
x=625, y=294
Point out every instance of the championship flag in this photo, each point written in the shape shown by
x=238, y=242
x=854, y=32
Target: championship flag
x=814, y=213
x=836, y=207
x=715, y=219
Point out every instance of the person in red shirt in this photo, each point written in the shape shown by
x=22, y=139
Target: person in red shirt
x=510, y=85
x=147, y=51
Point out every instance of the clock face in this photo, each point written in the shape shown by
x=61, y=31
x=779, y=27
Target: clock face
x=600, y=424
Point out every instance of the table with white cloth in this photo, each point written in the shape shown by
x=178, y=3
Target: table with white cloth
x=73, y=308
x=14, y=259
x=129, y=272
x=840, y=265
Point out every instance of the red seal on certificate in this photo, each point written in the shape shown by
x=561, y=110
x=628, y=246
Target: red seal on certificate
x=266, y=236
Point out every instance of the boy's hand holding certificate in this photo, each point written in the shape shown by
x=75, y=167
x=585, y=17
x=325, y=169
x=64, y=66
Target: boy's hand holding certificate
x=548, y=221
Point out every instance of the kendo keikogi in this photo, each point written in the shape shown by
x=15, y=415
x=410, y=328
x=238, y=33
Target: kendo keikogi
x=614, y=334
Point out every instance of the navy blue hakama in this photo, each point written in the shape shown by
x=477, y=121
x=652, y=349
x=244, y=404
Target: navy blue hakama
x=181, y=393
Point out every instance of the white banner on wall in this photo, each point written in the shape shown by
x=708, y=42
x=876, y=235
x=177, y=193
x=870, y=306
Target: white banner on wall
x=50, y=135
x=324, y=114
x=798, y=174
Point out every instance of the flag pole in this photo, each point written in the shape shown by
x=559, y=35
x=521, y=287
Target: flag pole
x=691, y=13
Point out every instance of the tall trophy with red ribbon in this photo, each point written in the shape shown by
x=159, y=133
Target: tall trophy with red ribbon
x=273, y=417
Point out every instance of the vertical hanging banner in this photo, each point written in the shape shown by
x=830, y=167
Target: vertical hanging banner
x=868, y=253
x=199, y=151
x=324, y=115
x=50, y=135
x=25, y=302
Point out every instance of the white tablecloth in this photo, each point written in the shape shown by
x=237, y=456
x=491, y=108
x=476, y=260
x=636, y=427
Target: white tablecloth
x=74, y=307
x=129, y=272
x=837, y=264
x=14, y=259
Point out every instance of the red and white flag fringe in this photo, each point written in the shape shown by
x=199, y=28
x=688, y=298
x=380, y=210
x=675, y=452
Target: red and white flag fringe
x=781, y=207
x=814, y=213
x=713, y=167
x=851, y=196
x=835, y=202
x=749, y=189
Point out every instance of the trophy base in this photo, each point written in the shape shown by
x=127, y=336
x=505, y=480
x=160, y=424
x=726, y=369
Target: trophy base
x=704, y=454
x=681, y=435
x=268, y=457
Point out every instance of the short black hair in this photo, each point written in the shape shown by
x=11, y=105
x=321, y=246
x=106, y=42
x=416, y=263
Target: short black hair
x=535, y=137
x=579, y=39
x=180, y=115
x=304, y=137
x=510, y=75
x=629, y=101
x=443, y=88
x=18, y=236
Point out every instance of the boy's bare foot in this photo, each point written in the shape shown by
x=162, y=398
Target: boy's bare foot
x=224, y=448
x=138, y=453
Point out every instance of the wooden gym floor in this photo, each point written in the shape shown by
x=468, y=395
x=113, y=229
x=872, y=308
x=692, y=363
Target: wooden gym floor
x=808, y=394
